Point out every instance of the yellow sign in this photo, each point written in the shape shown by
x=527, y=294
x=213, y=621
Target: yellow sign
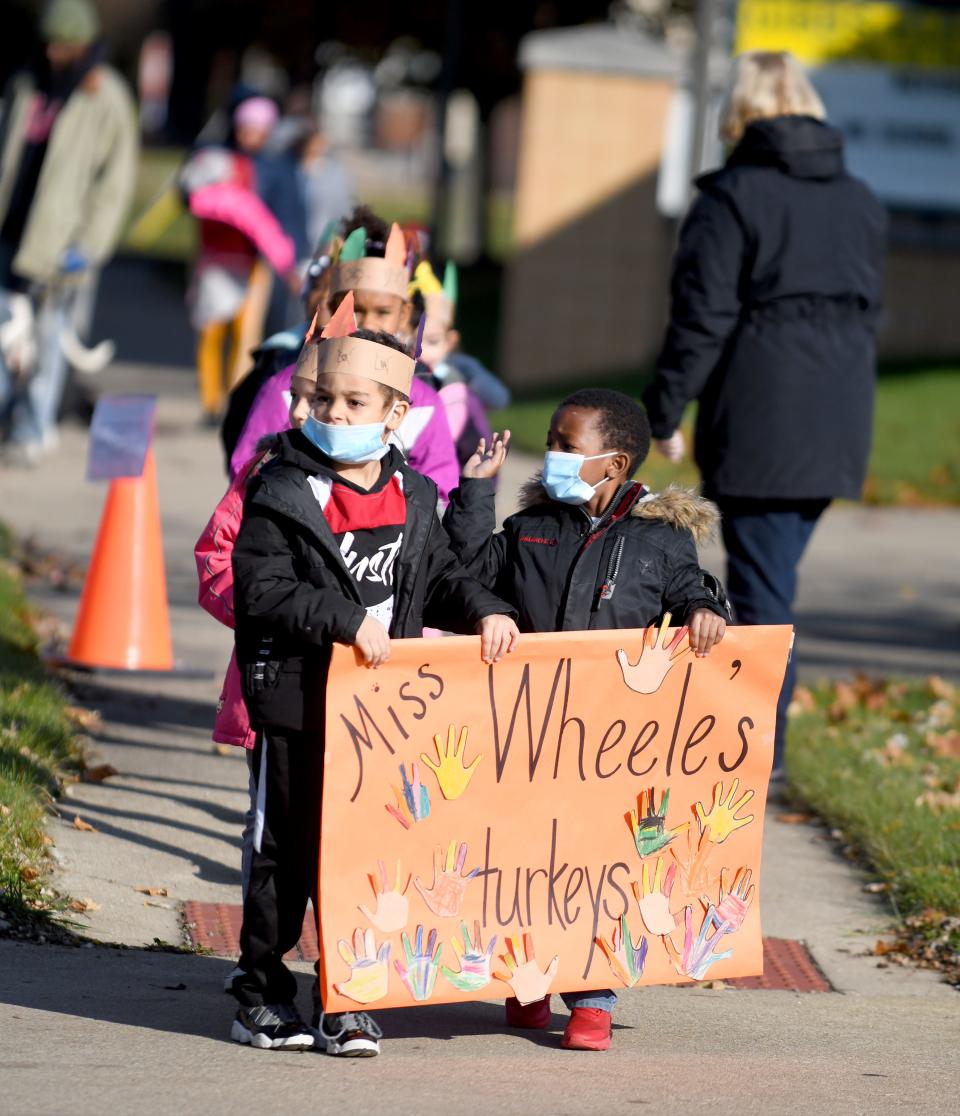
x=821, y=31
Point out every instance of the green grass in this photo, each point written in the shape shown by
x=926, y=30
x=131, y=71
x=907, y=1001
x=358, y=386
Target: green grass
x=881, y=761
x=37, y=748
x=916, y=449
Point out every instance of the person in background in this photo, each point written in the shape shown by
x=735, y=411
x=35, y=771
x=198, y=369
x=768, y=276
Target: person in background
x=467, y=389
x=67, y=171
x=327, y=188
x=774, y=303
x=240, y=240
x=255, y=120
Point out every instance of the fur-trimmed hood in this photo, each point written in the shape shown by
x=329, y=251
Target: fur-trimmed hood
x=681, y=507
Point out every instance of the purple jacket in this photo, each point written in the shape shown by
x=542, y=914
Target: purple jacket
x=424, y=433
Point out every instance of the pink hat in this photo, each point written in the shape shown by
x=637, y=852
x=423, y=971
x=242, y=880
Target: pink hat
x=256, y=112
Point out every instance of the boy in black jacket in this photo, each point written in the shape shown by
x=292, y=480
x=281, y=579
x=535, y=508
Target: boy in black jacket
x=340, y=542
x=589, y=549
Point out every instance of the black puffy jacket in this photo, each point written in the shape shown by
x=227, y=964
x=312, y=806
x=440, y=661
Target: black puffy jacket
x=774, y=299
x=562, y=574
x=294, y=596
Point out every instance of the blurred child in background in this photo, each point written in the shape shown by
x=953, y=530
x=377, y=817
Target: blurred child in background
x=372, y=262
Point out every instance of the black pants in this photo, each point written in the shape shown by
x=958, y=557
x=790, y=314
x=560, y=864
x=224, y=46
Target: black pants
x=288, y=770
x=765, y=540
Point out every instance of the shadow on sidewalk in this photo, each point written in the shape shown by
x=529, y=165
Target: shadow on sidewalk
x=183, y=994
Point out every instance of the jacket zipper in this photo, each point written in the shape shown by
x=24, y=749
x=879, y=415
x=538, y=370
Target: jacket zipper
x=613, y=572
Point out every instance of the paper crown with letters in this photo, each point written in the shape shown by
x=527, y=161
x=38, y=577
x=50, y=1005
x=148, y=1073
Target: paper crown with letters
x=335, y=350
x=353, y=270
x=439, y=299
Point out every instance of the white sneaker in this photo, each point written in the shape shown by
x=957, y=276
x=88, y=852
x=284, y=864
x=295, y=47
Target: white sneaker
x=350, y=1035
x=272, y=1027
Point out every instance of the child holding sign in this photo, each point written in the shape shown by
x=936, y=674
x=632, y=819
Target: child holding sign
x=588, y=549
x=340, y=542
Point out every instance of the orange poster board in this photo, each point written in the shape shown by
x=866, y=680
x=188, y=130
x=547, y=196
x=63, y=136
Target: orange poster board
x=586, y=814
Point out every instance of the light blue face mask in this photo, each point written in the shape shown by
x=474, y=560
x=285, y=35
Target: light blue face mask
x=561, y=476
x=350, y=445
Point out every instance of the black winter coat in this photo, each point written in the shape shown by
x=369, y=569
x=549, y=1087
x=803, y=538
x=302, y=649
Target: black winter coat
x=294, y=596
x=562, y=574
x=774, y=299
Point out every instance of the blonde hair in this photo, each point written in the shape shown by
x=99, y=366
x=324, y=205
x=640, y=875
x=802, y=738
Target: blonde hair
x=766, y=83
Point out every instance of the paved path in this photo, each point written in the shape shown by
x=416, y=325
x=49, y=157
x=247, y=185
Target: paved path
x=94, y=1027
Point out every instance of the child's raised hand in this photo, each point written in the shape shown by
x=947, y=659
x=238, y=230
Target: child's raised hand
x=488, y=460
x=373, y=642
x=499, y=635
x=706, y=629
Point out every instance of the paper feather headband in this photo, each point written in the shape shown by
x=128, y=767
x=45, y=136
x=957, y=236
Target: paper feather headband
x=336, y=351
x=355, y=271
x=439, y=299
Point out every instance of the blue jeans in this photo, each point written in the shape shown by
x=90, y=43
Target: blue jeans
x=29, y=408
x=764, y=541
x=602, y=998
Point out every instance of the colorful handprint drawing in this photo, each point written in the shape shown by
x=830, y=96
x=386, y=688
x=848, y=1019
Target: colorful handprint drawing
x=658, y=655
x=412, y=800
x=526, y=979
x=648, y=823
x=445, y=895
x=368, y=968
x=393, y=907
x=626, y=960
x=418, y=970
x=474, y=960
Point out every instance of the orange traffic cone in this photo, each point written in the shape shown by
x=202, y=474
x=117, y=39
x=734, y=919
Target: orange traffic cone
x=123, y=622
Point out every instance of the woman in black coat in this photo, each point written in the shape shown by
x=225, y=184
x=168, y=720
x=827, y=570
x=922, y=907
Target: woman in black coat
x=774, y=301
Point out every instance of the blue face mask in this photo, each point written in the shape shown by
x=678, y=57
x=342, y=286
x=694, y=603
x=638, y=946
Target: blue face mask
x=561, y=476
x=350, y=445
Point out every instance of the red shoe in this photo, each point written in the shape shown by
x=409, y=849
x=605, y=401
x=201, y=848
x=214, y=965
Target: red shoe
x=588, y=1029
x=531, y=1017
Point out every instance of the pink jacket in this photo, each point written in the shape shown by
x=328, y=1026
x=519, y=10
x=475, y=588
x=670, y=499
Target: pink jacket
x=214, y=554
x=230, y=204
x=425, y=432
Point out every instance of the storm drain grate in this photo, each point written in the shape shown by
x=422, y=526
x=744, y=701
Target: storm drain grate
x=787, y=964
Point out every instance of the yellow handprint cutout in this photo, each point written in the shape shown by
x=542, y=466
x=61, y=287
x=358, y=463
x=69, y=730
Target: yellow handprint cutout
x=368, y=968
x=451, y=774
x=722, y=819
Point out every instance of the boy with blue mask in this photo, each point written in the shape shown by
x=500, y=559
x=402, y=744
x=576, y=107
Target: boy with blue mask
x=340, y=542
x=589, y=549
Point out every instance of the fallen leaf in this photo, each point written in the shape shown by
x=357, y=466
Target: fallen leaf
x=47, y=839
x=83, y=905
x=803, y=700
x=883, y=949
x=79, y=823
x=155, y=891
x=939, y=800
x=940, y=714
x=938, y=687
x=793, y=819
x=88, y=719
x=98, y=773
x=28, y=874
x=876, y=888
x=223, y=749
x=945, y=744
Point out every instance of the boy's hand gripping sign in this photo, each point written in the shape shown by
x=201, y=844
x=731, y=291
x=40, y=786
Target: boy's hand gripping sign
x=587, y=813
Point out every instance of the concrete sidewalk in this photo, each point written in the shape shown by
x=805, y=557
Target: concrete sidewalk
x=94, y=1027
